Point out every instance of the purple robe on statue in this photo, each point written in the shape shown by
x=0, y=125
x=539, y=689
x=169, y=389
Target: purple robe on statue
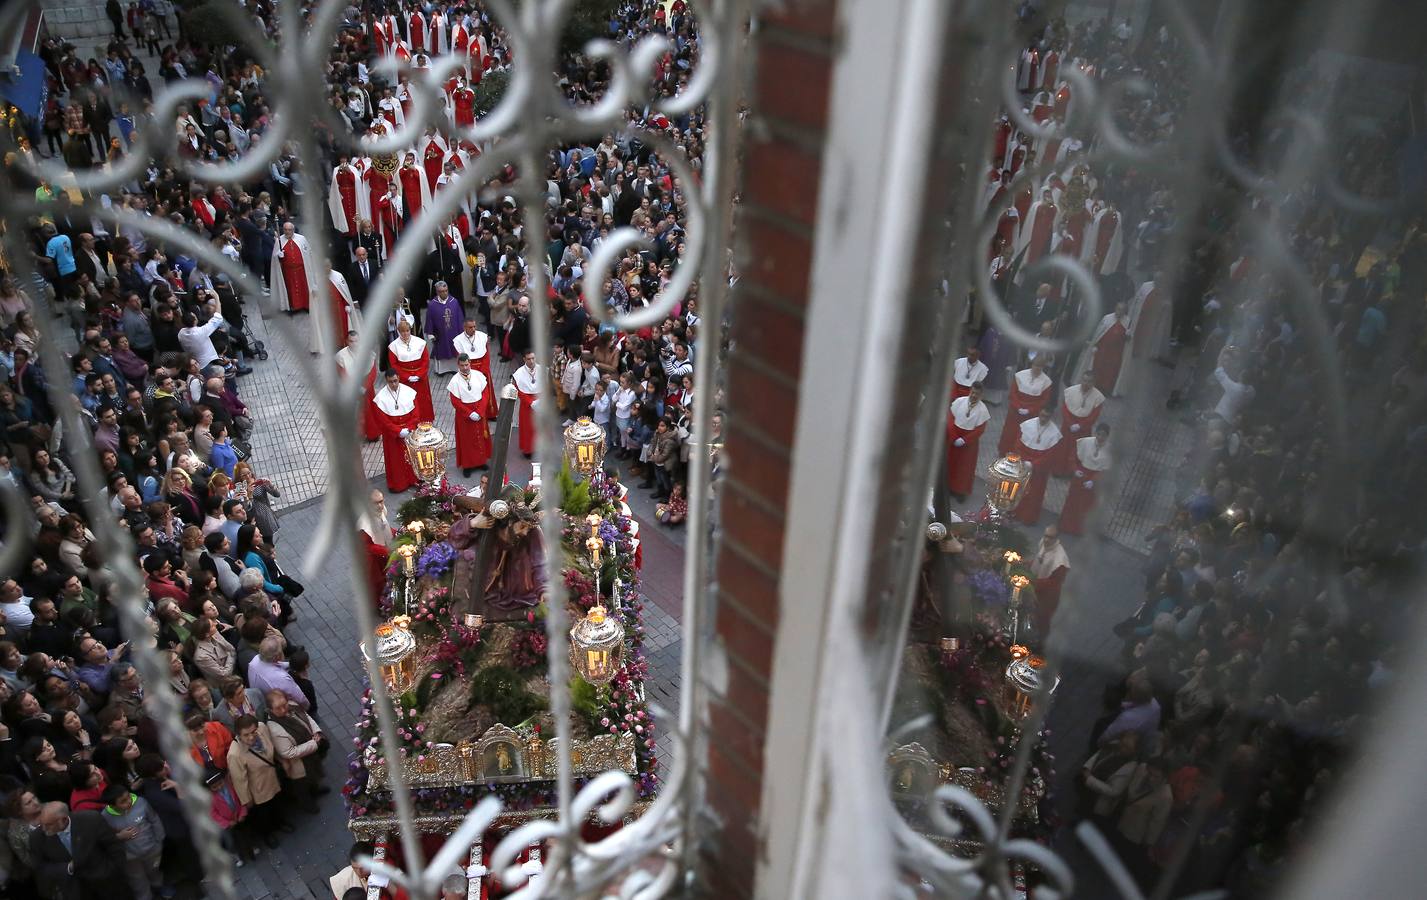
x=444, y=320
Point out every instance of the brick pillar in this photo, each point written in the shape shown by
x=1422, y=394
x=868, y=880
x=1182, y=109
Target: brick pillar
x=793, y=54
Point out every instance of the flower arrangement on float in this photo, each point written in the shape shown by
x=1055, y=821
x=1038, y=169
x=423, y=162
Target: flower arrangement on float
x=503, y=667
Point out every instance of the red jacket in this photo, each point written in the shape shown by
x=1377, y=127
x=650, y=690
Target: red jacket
x=219, y=739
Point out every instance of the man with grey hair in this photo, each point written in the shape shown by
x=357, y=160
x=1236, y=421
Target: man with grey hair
x=455, y=887
x=268, y=672
x=77, y=855
x=444, y=320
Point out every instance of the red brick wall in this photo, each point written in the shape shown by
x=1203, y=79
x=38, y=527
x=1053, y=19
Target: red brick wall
x=793, y=52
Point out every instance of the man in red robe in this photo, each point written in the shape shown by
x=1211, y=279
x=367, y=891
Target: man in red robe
x=289, y=269
x=377, y=185
x=416, y=31
x=527, y=382
x=1104, y=244
x=964, y=427
x=387, y=213
x=376, y=534
x=415, y=189
x=343, y=201
x=1038, y=444
x=433, y=155
x=410, y=358
x=1107, y=349
x=1080, y=407
x=476, y=345
x=1049, y=566
x=350, y=366
x=396, y=406
x=1037, y=229
x=1092, y=458
x=1030, y=393
x=463, y=106
x=967, y=371
x=468, y=390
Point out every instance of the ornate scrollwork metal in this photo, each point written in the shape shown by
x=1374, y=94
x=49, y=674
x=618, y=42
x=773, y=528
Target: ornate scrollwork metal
x=532, y=119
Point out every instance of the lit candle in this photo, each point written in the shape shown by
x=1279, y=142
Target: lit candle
x=595, y=544
x=407, y=552
x=417, y=528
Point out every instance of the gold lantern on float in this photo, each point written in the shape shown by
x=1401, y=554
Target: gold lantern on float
x=1008, y=477
x=597, y=646
x=395, y=655
x=426, y=449
x=1025, y=677
x=584, y=445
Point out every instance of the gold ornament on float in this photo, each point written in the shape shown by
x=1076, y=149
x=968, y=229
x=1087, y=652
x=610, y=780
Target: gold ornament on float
x=597, y=646
x=426, y=449
x=584, y=446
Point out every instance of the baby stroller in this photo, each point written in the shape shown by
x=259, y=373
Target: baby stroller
x=232, y=309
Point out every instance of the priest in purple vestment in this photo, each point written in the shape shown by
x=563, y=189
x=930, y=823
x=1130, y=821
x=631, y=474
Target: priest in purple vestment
x=444, y=320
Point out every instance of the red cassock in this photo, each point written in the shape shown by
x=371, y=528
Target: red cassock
x=1018, y=159
x=376, y=556
x=416, y=28
x=1003, y=139
x=410, y=361
x=1062, y=100
x=1079, y=411
x=1019, y=399
x=1008, y=226
x=1090, y=464
x=410, y=189
x=432, y=161
x=294, y=276
x=1038, y=445
x=377, y=185
x=1109, y=354
x=398, y=413
x=388, y=214
x=528, y=384
x=1037, y=231
x=473, y=438
x=1023, y=204
x=347, y=189
x=477, y=349
x=1048, y=597
x=966, y=424
x=464, y=101
x=1050, y=68
x=371, y=421
x=340, y=321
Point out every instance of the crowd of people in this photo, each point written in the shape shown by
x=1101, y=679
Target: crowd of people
x=1251, y=666
x=156, y=381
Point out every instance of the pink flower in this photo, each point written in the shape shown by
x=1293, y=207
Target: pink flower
x=420, y=729
x=605, y=722
x=639, y=728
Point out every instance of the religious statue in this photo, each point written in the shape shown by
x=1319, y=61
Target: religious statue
x=513, y=579
x=502, y=760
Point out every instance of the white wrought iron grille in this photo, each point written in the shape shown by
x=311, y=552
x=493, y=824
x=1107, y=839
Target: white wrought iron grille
x=533, y=118
x=1169, y=124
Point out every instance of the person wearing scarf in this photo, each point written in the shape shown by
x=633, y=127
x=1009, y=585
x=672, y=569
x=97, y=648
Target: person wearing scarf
x=299, y=741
